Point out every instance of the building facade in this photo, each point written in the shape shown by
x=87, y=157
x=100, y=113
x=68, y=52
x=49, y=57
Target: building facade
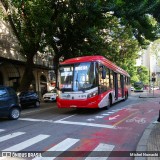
x=151, y=60
x=12, y=63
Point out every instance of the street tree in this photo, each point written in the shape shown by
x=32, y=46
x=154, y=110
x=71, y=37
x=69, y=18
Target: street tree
x=143, y=74
x=115, y=29
x=119, y=26
x=28, y=20
x=142, y=16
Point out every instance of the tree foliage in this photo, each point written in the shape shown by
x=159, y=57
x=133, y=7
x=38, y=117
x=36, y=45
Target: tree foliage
x=140, y=73
x=28, y=27
x=115, y=29
x=142, y=15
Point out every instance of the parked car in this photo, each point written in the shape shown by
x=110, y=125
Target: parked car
x=9, y=103
x=50, y=96
x=132, y=88
x=154, y=88
x=29, y=98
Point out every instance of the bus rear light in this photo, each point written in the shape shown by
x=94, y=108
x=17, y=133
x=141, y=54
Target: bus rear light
x=92, y=94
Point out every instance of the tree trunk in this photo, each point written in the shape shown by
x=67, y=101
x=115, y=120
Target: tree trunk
x=27, y=75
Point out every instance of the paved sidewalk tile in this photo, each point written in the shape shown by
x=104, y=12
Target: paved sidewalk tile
x=153, y=143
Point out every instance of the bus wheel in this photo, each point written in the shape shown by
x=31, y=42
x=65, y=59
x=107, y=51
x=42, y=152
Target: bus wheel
x=109, y=102
x=126, y=96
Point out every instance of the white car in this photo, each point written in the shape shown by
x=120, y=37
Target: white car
x=132, y=88
x=50, y=96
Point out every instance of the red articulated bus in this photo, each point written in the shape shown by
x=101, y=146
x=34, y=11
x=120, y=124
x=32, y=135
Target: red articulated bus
x=91, y=82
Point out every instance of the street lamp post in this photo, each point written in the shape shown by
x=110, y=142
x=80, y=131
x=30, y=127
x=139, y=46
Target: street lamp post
x=37, y=76
x=149, y=75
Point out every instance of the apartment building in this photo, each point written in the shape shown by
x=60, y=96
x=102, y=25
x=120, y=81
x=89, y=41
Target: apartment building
x=151, y=60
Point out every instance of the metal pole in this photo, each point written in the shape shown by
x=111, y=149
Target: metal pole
x=38, y=84
x=153, y=88
x=149, y=76
x=37, y=76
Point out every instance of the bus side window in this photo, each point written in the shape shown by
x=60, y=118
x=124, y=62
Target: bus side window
x=111, y=79
x=119, y=82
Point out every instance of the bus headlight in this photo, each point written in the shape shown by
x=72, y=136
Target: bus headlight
x=92, y=94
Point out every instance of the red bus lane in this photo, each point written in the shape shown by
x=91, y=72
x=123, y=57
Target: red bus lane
x=129, y=126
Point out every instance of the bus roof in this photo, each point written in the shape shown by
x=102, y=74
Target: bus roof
x=100, y=59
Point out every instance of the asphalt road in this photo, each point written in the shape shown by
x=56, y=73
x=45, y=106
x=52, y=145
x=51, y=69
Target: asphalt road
x=48, y=131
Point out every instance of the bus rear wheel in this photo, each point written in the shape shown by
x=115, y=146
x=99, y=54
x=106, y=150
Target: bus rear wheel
x=126, y=96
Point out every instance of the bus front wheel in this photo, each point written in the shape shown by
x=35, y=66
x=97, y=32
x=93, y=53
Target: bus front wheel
x=109, y=102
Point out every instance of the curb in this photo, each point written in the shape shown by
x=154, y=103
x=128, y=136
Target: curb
x=142, y=144
x=149, y=96
x=145, y=96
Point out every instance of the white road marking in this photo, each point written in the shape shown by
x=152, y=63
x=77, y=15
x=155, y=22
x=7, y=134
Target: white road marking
x=105, y=114
x=69, y=122
x=86, y=124
x=35, y=120
x=9, y=136
x=114, y=110
x=131, y=109
x=90, y=119
x=110, y=112
x=62, y=146
x=43, y=120
x=67, y=117
x=155, y=122
x=150, y=110
x=27, y=143
x=114, y=117
x=1, y=130
x=100, y=147
x=99, y=116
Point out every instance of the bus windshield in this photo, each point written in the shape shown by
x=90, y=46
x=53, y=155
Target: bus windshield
x=77, y=77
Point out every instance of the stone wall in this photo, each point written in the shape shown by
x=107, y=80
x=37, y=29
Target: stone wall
x=9, y=46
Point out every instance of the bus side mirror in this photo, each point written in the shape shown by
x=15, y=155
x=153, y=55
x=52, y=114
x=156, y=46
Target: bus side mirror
x=104, y=73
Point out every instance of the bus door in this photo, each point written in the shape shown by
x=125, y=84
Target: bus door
x=122, y=85
x=116, y=85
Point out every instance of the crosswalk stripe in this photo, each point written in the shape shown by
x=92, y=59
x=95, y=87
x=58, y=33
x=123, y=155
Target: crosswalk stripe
x=62, y=146
x=100, y=147
x=1, y=130
x=9, y=136
x=27, y=143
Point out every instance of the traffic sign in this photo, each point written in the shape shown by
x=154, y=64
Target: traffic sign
x=153, y=79
x=153, y=74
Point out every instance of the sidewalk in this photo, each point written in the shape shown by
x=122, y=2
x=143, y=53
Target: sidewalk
x=150, y=140
x=150, y=94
